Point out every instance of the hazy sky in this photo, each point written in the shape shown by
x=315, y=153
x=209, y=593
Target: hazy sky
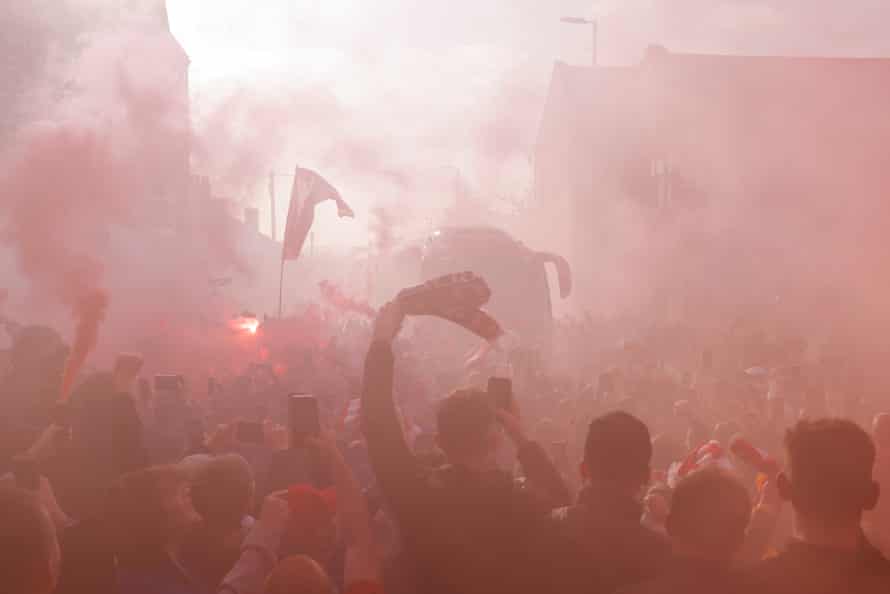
x=416, y=84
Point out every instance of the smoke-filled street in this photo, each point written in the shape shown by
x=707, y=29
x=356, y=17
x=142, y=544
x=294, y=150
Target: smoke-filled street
x=406, y=297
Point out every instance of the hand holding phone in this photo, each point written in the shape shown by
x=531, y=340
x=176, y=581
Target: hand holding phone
x=302, y=410
x=169, y=383
x=500, y=393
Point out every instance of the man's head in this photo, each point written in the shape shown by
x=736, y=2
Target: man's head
x=126, y=370
x=150, y=509
x=709, y=514
x=467, y=427
x=828, y=476
x=30, y=559
x=222, y=491
x=618, y=450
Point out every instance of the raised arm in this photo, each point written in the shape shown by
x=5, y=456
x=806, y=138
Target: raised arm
x=395, y=467
x=259, y=553
x=353, y=516
x=541, y=475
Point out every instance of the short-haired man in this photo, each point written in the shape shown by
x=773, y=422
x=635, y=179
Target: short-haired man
x=709, y=514
x=828, y=481
x=606, y=546
x=467, y=527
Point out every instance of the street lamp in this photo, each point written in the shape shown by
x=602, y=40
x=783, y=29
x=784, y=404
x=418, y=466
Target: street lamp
x=583, y=21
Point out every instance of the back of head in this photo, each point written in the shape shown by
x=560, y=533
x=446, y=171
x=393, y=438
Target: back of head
x=618, y=450
x=830, y=463
x=710, y=511
x=138, y=517
x=298, y=574
x=29, y=561
x=464, y=422
x=222, y=492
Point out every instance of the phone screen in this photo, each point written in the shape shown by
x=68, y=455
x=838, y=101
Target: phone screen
x=249, y=432
x=500, y=391
x=172, y=383
x=302, y=412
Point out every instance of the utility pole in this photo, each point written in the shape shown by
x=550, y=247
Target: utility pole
x=272, y=204
x=594, y=27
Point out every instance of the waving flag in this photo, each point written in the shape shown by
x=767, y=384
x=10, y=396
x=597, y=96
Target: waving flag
x=308, y=190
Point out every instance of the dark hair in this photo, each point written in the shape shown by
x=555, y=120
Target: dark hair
x=710, y=511
x=618, y=449
x=26, y=558
x=463, y=420
x=830, y=463
x=221, y=491
x=135, y=515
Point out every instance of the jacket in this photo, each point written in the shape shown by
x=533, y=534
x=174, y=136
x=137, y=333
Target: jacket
x=603, y=546
x=463, y=532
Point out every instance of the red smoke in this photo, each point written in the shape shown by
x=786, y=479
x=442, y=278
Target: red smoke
x=335, y=296
x=383, y=234
x=89, y=311
x=58, y=193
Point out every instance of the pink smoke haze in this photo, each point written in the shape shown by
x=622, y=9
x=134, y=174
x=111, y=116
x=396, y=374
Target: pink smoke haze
x=137, y=151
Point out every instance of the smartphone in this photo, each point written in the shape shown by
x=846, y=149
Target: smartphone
x=302, y=413
x=26, y=474
x=500, y=392
x=144, y=389
x=169, y=383
x=249, y=432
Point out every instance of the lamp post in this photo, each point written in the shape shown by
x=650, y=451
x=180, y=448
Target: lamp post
x=594, y=26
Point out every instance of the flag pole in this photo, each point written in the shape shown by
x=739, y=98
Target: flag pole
x=281, y=289
x=274, y=225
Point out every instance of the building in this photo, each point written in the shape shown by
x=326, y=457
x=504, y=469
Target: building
x=48, y=49
x=666, y=172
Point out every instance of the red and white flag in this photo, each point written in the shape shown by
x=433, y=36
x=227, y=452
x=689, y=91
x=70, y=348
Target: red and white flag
x=308, y=190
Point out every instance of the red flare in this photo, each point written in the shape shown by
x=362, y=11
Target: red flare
x=89, y=311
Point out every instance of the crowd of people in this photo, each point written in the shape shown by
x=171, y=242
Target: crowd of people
x=747, y=470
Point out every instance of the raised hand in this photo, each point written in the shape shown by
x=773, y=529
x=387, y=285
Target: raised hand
x=389, y=322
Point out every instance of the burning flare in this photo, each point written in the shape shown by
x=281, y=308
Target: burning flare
x=246, y=323
x=89, y=311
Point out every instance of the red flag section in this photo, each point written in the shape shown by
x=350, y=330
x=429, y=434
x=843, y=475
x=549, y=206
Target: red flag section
x=308, y=190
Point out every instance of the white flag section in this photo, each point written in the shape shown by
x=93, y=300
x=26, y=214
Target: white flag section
x=308, y=190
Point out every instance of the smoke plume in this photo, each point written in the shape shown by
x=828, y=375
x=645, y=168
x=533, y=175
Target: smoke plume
x=89, y=311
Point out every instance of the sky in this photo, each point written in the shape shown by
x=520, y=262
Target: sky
x=369, y=92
